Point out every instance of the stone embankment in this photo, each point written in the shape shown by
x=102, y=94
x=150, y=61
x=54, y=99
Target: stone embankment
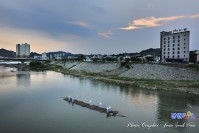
x=138, y=71
x=91, y=67
x=162, y=72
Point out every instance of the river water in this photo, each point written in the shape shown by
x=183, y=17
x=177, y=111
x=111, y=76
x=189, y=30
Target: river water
x=31, y=102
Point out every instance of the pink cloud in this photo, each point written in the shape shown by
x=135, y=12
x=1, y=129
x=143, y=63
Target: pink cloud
x=154, y=22
x=148, y=22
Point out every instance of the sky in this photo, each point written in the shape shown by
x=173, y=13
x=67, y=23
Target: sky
x=95, y=26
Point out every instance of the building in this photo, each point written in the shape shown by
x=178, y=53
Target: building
x=22, y=50
x=197, y=52
x=44, y=56
x=174, y=46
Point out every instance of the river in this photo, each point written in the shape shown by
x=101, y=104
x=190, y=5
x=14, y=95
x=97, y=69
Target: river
x=31, y=102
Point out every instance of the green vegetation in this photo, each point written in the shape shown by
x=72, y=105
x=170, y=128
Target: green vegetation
x=135, y=59
x=81, y=57
x=193, y=66
x=124, y=64
x=167, y=84
x=36, y=65
x=150, y=58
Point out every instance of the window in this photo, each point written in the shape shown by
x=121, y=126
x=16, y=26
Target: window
x=164, y=57
x=184, y=52
x=184, y=39
x=184, y=55
x=164, y=45
x=184, y=47
x=168, y=49
x=168, y=53
x=184, y=34
x=173, y=37
x=164, y=38
x=173, y=45
x=178, y=40
x=168, y=41
x=173, y=52
x=184, y=43
x=173, y=41
x=164, y=42
x=173, y=48
x=168, y=38
x=178, y=52
x=178, y=36
x=164, y=49
x=173, y=56
x=168, y=45
x=178, y=44
x=164, y=53
x=168, y=56
x=178, y=56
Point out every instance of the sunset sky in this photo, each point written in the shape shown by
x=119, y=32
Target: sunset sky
x=95, y=26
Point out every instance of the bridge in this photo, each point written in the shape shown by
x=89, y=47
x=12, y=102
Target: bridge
x=22, y=60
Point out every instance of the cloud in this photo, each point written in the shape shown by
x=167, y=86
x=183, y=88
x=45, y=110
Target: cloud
x=194, y=16
x=107, y=34
x=154, y=22
x=148, y=22
x=79, y=23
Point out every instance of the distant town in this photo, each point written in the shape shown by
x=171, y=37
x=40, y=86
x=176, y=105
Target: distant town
x=174, y=47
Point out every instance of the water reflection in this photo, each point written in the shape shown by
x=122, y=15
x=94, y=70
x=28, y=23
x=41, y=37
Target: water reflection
x=174, y=102
x=23, y=79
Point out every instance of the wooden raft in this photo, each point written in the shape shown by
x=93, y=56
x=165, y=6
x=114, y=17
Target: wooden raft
x=93, y=107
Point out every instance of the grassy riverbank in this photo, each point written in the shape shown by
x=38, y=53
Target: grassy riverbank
x=188, y=86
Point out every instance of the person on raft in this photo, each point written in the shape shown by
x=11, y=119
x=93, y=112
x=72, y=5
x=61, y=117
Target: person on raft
x=100, y=105
x=90, y=102
x=72, y=99
x=108, y=110
x=69, y=99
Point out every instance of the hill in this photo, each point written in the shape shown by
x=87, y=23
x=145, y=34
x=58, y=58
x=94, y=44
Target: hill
x=7, y=53
x=151, y=51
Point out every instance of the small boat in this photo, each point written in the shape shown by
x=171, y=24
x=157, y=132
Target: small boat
x=12, y=71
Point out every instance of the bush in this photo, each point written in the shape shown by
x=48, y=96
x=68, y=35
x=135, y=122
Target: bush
x=149, y=58
x=125, y=64
x=135, y=59
x=128, y=66
x=36, y=65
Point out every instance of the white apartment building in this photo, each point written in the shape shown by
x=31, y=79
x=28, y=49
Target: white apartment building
x=174, y=45
x=22, y=50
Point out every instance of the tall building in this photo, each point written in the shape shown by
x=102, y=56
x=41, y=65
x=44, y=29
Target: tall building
x=22, y=50
x=174, y=45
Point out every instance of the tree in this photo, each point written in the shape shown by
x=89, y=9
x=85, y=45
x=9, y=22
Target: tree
x=127, y=59
x=150, y=58
x=81, y=57
x=135, y=59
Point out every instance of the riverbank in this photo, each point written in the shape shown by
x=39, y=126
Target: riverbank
x=174, y=78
